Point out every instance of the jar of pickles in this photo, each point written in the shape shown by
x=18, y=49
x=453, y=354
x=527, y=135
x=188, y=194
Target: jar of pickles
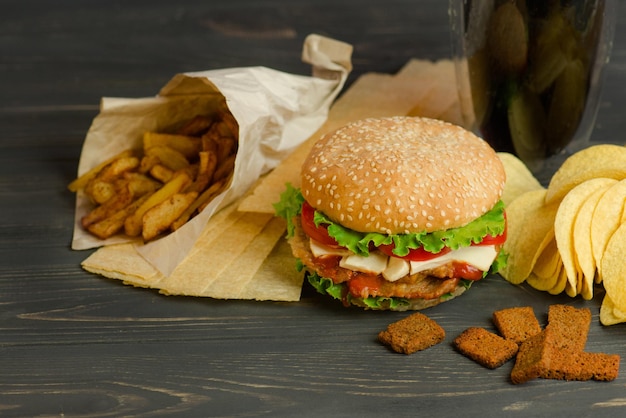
x=529, y=72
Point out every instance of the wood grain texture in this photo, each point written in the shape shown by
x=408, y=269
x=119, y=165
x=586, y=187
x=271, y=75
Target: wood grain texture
x=74, y=344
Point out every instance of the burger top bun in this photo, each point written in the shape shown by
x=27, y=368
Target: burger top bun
x=401, y=175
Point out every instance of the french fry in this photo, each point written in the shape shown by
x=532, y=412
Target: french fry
x=161, y=173
x=105, y=185
x=122, y=198
x=133, y=224
x=229, y=124
x=225, y=167
x=80, y=182
x=203, y=199
x=225, y=125
x=191, y=170
x=169, y=157
x=226, y=147
x=208, y=144
x=206, y=169
x=110, y=226
x=159, y=217
x=147, y=162
x=222, y=145
x=189, y=146
x=219, y=186
x=118, y=167
x=196, y=126
x=140, y=184
x=100, y=191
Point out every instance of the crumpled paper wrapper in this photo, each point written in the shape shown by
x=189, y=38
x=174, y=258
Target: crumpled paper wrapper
x=421, y=88
x=276, y=112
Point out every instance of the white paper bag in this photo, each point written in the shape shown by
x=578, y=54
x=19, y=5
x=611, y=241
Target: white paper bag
x=276, y=112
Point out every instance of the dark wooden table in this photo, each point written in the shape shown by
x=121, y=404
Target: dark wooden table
x=75, y=344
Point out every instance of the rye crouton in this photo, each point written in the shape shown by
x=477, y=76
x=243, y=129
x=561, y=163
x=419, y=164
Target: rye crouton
x=414, y=333
x=570, y=325
x=532, y=359
x=601, y=366
x=558, y=351
x=516, y=324
x=485, y=348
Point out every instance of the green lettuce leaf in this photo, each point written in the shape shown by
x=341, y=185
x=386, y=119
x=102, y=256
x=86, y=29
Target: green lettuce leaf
x=325, y=286
x=498, y=264
x=289, y=206
x=491, y=223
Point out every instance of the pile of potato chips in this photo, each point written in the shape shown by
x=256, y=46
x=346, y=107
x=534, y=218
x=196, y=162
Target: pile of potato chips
x=571, y=235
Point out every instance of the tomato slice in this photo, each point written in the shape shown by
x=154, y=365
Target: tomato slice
x=497, y=239
x=493, y=240
x=417, y=254
x=318, y=233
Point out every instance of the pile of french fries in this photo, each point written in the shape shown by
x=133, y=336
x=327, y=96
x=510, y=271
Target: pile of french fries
x=157, y=189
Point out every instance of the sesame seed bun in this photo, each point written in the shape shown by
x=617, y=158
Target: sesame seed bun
x=402, y=175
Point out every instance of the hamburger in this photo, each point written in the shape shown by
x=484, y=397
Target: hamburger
x=397, y=213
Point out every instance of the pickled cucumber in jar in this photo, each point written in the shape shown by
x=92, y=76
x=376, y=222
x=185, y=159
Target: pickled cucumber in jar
x=530, y=65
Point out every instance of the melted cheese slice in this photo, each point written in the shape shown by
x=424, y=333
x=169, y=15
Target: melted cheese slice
x=320, y=250
x=394, y=268
x=479, y=256
x=375, y=263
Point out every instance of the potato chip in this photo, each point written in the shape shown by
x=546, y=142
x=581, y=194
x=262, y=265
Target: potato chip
x=561, y=283
x=549, y=262
x=530, y=229
x=614, y=268
x=604, y=160
x=606, y=219
x=564, y=228
x=541, y=283
x=547, y=268
x=582, y=235
x=519, y=179
x=609, y=313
